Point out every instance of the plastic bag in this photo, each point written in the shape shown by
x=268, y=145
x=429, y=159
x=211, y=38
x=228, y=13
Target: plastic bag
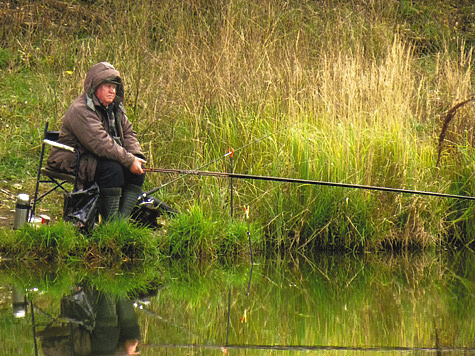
x=80, y=207
x=78, y=309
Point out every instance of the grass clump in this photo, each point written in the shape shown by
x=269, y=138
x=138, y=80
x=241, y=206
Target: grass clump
x=197, y=235
x=123, y=241
x=42, y=243
x=116, y=242
x=189, y=235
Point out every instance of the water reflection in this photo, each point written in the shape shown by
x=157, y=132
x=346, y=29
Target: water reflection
x=92, y=322
x=404, y=304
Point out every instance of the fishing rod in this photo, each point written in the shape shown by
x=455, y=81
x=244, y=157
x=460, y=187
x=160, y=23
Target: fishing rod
x=309, y=348
x=302, y=181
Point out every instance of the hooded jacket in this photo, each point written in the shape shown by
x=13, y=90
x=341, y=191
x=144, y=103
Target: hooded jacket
x=85, y=126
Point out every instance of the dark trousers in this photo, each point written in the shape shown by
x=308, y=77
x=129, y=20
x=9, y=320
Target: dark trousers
x=111, y=174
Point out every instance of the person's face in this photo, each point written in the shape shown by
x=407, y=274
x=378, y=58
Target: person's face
x=106, y=93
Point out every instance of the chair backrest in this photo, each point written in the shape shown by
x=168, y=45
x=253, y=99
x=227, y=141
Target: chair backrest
x=50, y=135
x=56, y=179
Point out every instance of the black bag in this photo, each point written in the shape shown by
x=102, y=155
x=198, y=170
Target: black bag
x=149, y=208
x=80, y=207
x=78, y=309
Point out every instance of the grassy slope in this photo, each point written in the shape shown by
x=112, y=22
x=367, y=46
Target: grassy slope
x=353, y=91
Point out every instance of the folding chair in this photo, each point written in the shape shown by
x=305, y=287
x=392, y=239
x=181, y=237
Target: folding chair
x=55, y=179
x=56, y=335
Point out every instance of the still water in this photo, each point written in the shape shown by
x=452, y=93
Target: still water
x=404, y=304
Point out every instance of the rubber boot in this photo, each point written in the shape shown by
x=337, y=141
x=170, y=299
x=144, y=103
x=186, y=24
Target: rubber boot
x=130, y=196
x=109, y=199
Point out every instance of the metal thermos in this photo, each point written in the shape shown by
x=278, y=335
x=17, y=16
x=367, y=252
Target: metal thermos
x=21, y=210
x=20, y=305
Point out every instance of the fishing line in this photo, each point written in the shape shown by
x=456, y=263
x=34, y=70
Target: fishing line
x=157, y=316
x=229, y=153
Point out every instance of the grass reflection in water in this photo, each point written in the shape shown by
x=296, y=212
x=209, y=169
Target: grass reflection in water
x=331, y=304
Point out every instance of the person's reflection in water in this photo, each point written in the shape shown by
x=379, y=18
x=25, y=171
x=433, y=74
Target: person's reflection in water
x=116, y=325
x=115, y=331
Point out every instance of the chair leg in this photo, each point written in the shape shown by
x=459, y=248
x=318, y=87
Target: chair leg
x=38, y=180
x=38, y=174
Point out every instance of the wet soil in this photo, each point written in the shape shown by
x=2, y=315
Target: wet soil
x=8, y=196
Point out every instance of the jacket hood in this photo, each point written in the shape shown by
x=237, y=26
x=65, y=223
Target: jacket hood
x=100, y=73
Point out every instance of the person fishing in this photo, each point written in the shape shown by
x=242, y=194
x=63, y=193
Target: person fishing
x=97, y=126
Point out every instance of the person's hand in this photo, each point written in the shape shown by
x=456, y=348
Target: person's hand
x=136, y=167
x=131, y=347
